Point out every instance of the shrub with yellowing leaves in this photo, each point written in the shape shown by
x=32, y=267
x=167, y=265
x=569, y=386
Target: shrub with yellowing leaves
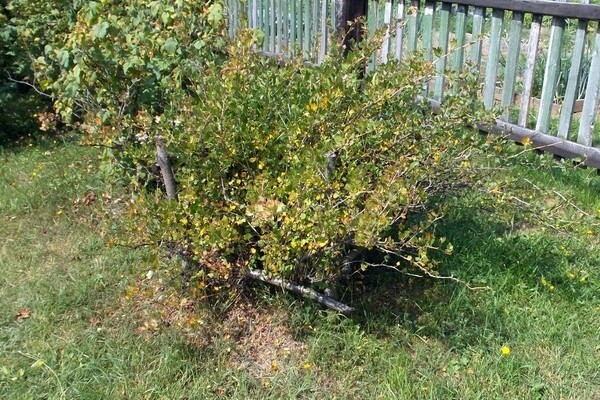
x=288, y=168
x=285, y=169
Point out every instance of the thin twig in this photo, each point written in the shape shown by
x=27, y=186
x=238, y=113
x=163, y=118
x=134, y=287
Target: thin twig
x=31, y=85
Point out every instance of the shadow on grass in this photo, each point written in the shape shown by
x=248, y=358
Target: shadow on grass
x=513, y=265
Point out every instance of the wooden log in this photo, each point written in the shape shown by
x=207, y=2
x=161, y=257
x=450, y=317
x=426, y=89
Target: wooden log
x=164, y=162
x=301, y=290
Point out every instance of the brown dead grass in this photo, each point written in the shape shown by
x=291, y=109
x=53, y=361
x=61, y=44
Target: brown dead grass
x=257, y=339
x=264, y=343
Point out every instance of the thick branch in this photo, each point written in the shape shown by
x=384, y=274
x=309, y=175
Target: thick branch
x=164, y=162
x=304, y=291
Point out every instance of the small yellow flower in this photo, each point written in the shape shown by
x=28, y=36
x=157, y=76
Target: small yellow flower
x=275, y=365
x=306, y=366
x=505, y=350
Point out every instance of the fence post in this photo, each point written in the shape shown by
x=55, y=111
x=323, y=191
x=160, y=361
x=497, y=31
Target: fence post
x=346, y=13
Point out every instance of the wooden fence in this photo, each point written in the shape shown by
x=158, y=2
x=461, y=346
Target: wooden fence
x=539, y=61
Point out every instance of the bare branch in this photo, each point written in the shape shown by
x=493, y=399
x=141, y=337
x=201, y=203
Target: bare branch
x=302, y=290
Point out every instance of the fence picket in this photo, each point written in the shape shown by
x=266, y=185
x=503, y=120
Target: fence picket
x=550, y=74
x=510, y=71
x=459, y=51
x=566, y=113
x=306, y=26
x=315, y=30
x=412, y=26
x=387, y=19
x=592, y=96
x=443, y=51
x=529, y=75
x=254, y=15
x=476, y=35
x=399, y=29
x=491, y=70
x=323, y=34
x=427, y=29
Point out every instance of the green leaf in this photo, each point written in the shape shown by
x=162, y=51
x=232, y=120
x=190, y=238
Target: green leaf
x=64, y=58
x=99, y=30
x=170, y=45
x=199, y=44
x=215, y=14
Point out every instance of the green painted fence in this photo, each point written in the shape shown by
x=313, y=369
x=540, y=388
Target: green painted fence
x=538, y=61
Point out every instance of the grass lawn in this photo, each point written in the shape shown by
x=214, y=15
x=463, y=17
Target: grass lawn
x=80, y=320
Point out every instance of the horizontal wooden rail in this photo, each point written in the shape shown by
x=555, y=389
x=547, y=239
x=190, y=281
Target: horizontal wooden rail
x=563, y=148
x=542, y=7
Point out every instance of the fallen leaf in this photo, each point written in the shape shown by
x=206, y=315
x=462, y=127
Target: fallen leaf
x=89, y=198
x=23, y=313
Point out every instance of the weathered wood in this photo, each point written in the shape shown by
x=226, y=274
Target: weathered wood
x=293, y=24
x=491, y=70
x=279, y=25
x=589, y=156
x=551, y=8
x=412, y=26
x=529, y=74
x=566, y=114
x=315, y=30
x=440, y=64
x=387, y=19
x=399, y=29
x=551, y=73
x=166, y=170
x=272, y=26
x=510, y=71
x=427, y=29
x=254, y=15
x=459, y=51
x=306, y=26
x=323, y=35
x=476, y=36
x=286, y=26
x=592, y=96
x=301, y=290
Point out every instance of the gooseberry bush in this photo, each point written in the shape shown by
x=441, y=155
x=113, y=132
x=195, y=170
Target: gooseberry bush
x=287, y=169
x=281, y=168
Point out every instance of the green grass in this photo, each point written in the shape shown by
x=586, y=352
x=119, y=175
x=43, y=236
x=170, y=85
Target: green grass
x=410, y=339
